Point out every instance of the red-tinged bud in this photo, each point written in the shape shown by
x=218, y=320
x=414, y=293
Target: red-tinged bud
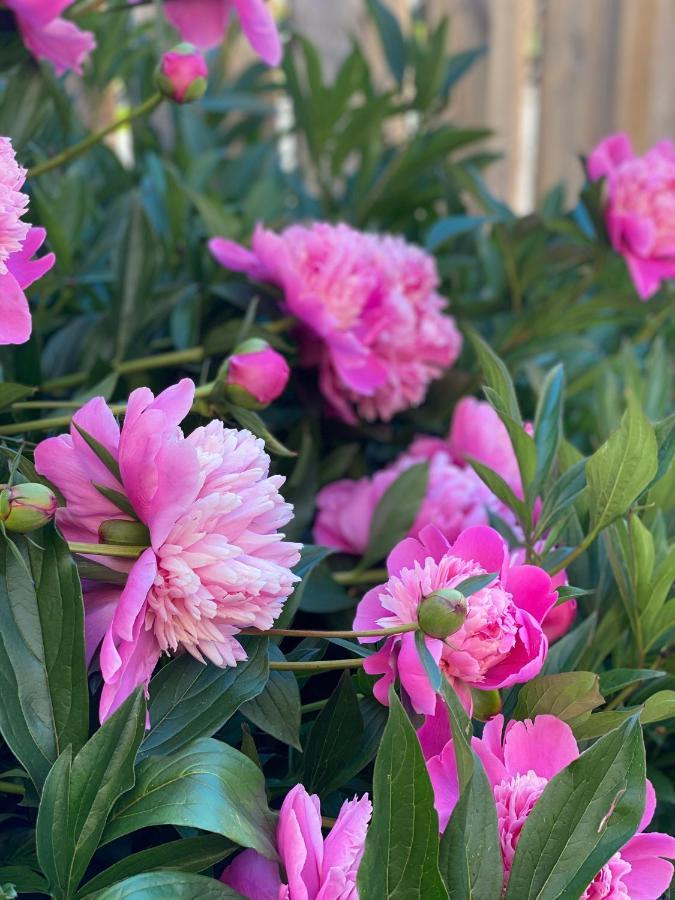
x=442, y=613
x=182, y=74
x=255, y=375
x=25, y=507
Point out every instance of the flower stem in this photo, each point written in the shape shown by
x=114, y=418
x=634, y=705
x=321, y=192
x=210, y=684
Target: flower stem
x=124, y=551
x=575, y=554
x=303, y=633
x=129, y=366
x=60, y=421
x=323, y=665
x=95, y=137
x=8, y=787
x=356, y=576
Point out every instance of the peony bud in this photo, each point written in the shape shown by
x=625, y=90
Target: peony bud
x=182, y=74
x=122, y=531
x=442, y=613
x=255, y=374
x=486, y=704
x=25, y=507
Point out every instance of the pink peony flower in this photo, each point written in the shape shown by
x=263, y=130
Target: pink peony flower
x=369, y=310
x=182, y=74
x=204, y=23
x=315, y=869
x=256, y=375
x=18, y=243
x=456, y=498
x=501, y=641
x=640, y=210
x=519, y=766
x=560, y=618
x=48, y=36
x=216, y=563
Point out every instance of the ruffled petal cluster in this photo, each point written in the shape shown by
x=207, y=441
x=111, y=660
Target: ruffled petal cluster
x=315, y=869
x=371, y=317
x=204, y=23
x=519, y=765
x=640, y=210
x=18, y=244
x=217, y=562
x=501, y=642
x=49, y=36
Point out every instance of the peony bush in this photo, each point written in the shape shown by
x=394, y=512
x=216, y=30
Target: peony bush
x=336, y=552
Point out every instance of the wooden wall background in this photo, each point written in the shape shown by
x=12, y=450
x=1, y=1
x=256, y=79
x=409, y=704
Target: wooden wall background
x=556, y=77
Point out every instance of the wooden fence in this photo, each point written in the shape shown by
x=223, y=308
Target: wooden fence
x=556, y=77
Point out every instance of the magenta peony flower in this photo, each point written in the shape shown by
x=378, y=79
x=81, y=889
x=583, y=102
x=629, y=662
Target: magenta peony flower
x=216, y=563
x=204, y=23
x=456, y=498
x=18, y=243
x=560, y=618
x=369, y=310
x=255, y=375
x=519, y=767
x=640, y=210
x=48, y=36
x=501, y=641
x=182, y=74
x=315, y=869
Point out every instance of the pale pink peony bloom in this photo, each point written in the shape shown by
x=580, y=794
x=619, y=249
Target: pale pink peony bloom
x=640, y=210
x=500, y=643
x=518, y=767
x=205, y=22
x=315, y=869
x=455, y=499
x=216, y=563
x=18, y=244
x=48, y=36
x=369, y=309
x=257, y=374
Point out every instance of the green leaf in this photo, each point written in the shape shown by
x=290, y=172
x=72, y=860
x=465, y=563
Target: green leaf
x=135, y=269
x=80, y=792
x=548, y=423
x=101, y=452
x=310, y=557
x=617, y=679
x=43, y=681
x=474, y=584
x=395, y=513
x=565, y=654
x=11, y=393
x=460, y=726
x=656, y=708
x=570, y=696
x=192, y=854
x=334, y=736
x=252, y=421
x=206, y=785
x=276, y=709
x=393, y=42
x=24, y=879
x=430, y=667
x=470, y=851
x=621, y=469
x=191, y=700
x=496, y=375
x=117, y=498
x=167, y=886
x=451, y=227
x=498, y=487
x=401, y=854
x=586, y=813
x=562, y=494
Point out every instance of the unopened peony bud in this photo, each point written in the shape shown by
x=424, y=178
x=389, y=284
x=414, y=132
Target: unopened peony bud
x=122, y=531
x=182, y=74
x=25, y=507
x=442, y=613
x=255, y=374
x=486, y=704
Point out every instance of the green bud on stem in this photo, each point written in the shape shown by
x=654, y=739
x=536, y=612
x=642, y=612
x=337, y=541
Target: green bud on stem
x=25, y=507
x=442, y=613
